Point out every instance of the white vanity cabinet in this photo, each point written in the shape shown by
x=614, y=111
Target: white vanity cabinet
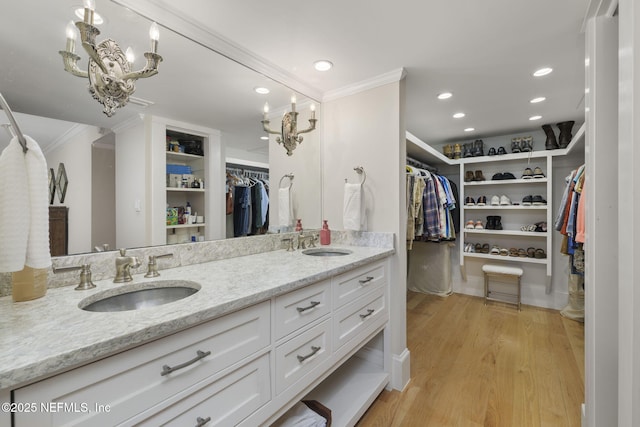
x=244, y=368
x=126, y=388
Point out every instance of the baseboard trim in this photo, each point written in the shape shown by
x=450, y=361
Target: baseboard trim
x=401, y=370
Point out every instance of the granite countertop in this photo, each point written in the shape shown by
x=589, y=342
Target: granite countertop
x=52, y=334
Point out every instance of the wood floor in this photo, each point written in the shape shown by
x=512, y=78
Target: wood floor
x=477, y=365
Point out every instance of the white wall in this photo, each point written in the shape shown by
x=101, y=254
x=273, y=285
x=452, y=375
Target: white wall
x=304, y=163
x=75, y=152
x=103, y=192
x=367, y=129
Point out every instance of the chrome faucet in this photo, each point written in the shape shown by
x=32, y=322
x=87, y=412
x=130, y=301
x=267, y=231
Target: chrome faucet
x=123, y=267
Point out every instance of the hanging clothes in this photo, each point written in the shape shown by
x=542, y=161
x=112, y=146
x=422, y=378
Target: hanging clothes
x=570, y=220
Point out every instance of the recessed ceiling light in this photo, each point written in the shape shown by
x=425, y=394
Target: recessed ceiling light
x=535, y=117
x=265, y=138
x=538, y=99
x=261, y=90
x=469, y=129
x=542, y=72
x=445, y=95
x=97, y=19
x=323, y=65
x=458, y=115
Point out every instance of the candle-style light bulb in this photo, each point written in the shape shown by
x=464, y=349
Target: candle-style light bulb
x=293, y=103
x=265, y=110
x=154, y=34
x=313, y=111
x=131, y=57
x=71, y=37
x=89, y=8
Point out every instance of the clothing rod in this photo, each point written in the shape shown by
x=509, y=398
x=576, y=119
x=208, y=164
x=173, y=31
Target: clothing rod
x=421, y=165
x=14, y=124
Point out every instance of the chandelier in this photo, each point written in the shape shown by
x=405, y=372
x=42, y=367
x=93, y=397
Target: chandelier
x=289, y=135
x=111, y=80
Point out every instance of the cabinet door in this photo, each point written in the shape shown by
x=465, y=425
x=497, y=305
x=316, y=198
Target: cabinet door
x=118, y=387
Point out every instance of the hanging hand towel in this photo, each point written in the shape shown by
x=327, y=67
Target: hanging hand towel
x=354, y=208
x=285, y=209
x=38, y=254
x=14, y=208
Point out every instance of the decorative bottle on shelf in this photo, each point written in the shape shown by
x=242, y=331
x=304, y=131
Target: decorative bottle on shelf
x=325, y=234
x=299, y=225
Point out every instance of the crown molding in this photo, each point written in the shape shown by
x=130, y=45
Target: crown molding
x=176, y=20
x=129, y=123
x=73, y=131
x=371, y=83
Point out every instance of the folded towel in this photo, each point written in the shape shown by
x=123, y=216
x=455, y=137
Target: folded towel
x=24, y=210
x=285, y=209
x=300, y=416
x=354, y=208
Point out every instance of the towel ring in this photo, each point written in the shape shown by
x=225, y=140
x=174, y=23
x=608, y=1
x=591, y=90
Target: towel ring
x=361, y=172
x=288, y=175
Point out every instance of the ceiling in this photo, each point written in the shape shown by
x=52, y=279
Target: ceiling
x=483, y=52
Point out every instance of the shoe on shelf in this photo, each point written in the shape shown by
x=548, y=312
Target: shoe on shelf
x=538, y=201
x=501, y=151
x=495, y=201
x=495, y=250
x=482, y=201
x=466, y=247
x=513, y=252
x=497, y=176
x=485, y=248
x=492, y=152
x=505, y=201
x=478, y=148
x=539, y=253
x=527, y=200
x=447, y=150
x=468, y=201
x=497, y=222
x=478, y=248
x=540, y=227
x=467, y=150
x=515, y=145
x=508, y=175
x=522, y=253
x=468, y=176
x=537, y=173
x=457, y=151
x=527, y=174
x=479, y=226
x=551, y=143
x=504, y=252
x=470, y=225
x=526, y=145
x=491, y=223
x=564, y=138
x=531, y=252
x=530, y=227
x=478, y=176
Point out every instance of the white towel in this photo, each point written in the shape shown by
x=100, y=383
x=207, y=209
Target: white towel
x=285, y=209
x=354, y=208
x=24, y=211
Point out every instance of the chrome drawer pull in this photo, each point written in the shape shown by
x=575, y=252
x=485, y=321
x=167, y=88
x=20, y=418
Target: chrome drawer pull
x=367, y=280
x=202, y=421
x=369, y=313
x=303, y=309
x=166, y=369
x=303, y=358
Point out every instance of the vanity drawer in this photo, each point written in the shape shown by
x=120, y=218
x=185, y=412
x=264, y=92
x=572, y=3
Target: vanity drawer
x=131, y=381
x=301, y=307
x=350, y=286
x=369, y=311
x=225, y=402
x=300, y=355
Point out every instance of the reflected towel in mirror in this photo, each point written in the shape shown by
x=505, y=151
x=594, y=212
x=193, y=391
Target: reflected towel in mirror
x=24, y=210
x=354, y=217
x=285, y=208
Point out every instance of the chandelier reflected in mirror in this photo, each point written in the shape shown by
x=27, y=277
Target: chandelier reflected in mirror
x=111, y=80
x=289, y=135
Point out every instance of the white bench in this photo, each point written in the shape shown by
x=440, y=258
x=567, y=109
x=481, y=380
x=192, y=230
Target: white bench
x=503, y=274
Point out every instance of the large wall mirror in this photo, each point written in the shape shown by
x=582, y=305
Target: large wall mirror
x=195, y=85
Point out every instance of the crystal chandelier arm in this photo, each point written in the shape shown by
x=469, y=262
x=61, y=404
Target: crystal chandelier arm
x=150, y=69
x=70, y=61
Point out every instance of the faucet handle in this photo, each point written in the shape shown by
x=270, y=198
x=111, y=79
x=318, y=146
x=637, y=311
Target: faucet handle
x=123, y=252
x=85, y=275
x=290, y=241
x=152, y=267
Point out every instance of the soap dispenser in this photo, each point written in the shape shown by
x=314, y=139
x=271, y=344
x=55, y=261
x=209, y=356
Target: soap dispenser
x=325, y=234
x=299, y=225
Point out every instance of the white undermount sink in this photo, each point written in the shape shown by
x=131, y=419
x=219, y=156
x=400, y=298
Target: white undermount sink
x=326, y=252
x=149, y=294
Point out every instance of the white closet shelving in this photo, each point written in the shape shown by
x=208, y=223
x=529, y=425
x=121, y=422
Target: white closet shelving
x=513, y=216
